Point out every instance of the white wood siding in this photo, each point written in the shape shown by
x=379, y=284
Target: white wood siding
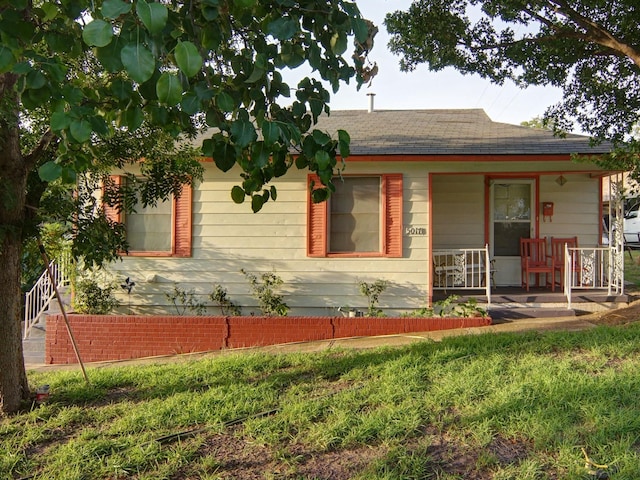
x=576, y=208
x=229, y=237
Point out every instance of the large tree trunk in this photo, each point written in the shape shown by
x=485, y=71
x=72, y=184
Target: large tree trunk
x=13, y=184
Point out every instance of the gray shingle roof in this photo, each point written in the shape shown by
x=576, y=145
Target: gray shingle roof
x=446, y=132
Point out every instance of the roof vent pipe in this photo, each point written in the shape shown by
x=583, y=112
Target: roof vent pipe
x=371, y=97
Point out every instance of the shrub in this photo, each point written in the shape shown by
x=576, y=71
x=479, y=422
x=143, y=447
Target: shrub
x=373, y=291
x=264, y=291
x=92, y=298
x=220, y=298
x=449, y=307
x=185, y=301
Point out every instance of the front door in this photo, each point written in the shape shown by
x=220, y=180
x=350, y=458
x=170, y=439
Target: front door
x=511, y=216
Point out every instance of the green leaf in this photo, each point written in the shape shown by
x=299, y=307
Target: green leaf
x=59, y=121
x=319, y=195
x=320, y=137
x=132, y=118
x=7, y=59
x=225, y=102
x=153, y=15
x=360, y=29
x=237, y=194
x=98, y=33
x=344, y=140
x=69, y=176
x=168, y=89
x=114, y=8
x=138, y=61
x=188, y=58
x=257, y=73
x=110, y=56
x=35, y=80
x=243, y=132
x=339, y=43
x=80, y=130
x=257, y=201
x=322, y=159
x=50, y=11
x=190, y=103
x=283, y=28
x=274, y=192
x=49, y=171
x=260, y=154
x=224, y=155
x=270, y=132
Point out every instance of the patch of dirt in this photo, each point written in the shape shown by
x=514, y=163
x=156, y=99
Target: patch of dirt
x=228, y=455
x=620, y=316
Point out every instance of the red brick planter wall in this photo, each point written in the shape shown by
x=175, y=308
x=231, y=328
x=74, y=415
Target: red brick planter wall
x=118, y=337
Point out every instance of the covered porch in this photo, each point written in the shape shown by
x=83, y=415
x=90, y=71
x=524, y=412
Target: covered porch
x=478, y=220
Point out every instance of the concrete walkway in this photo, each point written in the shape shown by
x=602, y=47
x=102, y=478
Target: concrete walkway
x=571, y=323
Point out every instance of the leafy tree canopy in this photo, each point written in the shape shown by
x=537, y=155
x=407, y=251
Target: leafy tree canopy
x=589, y=48
x=86, y=85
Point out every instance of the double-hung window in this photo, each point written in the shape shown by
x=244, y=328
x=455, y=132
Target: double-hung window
x=163, y=230
x=363, y=217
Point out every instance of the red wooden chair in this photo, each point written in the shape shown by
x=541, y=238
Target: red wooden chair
x=533, y=257
x=557, y=257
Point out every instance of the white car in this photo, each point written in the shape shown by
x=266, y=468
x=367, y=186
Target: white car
x=631, y=225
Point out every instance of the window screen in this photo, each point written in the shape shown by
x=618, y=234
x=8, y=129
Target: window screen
x=149, y=228
x=355, y=215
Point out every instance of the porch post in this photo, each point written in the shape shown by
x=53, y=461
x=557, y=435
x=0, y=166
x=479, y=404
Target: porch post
x=616, y=233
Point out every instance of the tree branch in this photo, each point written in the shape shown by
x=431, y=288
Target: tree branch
x=38, y=152
x=596, y=33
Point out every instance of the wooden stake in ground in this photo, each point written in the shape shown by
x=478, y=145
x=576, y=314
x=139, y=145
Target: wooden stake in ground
x=45, y=258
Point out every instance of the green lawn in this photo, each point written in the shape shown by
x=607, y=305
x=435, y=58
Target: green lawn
x=494, y=406
x=632, y=270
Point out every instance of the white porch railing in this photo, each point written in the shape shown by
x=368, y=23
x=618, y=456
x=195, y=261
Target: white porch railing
x=38, y=299
x=463, y=269
x=595, y=268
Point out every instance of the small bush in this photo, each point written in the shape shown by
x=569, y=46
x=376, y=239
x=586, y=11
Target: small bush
x=220, y=298
x=373, y=291
x=185, y=301
x=264, y=291
x=449, y=307
x=92, y=298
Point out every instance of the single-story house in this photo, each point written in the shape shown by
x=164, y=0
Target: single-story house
x=420, y=187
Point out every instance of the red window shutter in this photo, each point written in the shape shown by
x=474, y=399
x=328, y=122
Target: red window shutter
x=182, y=223
x=392, y=194
x=112, y=213
x=316, y=223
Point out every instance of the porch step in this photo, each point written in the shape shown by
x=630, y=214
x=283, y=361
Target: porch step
x=34, y=346
x=505, y=314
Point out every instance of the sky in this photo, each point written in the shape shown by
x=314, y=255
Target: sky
x=423, y=89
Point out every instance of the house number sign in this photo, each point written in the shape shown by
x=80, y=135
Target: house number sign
x=415, y=231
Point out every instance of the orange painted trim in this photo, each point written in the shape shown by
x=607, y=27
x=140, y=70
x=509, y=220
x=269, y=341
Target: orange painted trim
x=149, y=254
x=181, y=225
x=357, y=255
x=430, y=239
x=487, y=200
x=458, y=158
x=391, y=198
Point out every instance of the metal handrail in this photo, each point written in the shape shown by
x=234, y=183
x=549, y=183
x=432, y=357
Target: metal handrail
x=592, y=268
x=463, y=269
x=38, y=299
